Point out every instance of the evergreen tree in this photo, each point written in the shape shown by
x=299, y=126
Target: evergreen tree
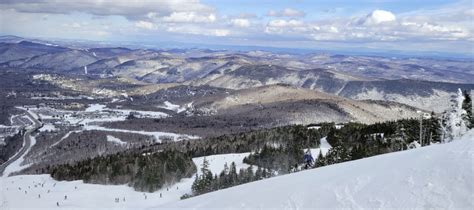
x=233, y=176
x=258, y=173
x=434, y=132
x=203, y=183
x=337, y=154
x=320, y=161
x=454, y=122
x=467, y=106
x=399, y=139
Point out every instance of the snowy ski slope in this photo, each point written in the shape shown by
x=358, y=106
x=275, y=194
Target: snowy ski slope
x=434, y=177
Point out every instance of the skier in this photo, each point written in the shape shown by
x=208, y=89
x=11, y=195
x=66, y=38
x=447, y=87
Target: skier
x=308, y=159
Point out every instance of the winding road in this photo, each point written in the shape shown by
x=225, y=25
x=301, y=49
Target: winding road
x=26, y=143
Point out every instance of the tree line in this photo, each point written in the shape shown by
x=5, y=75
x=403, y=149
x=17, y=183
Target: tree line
x=144, y=171
x=228, y=177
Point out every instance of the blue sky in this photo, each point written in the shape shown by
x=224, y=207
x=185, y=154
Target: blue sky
x=406, y=25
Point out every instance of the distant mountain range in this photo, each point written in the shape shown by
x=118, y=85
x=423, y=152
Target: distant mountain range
x=420, y=82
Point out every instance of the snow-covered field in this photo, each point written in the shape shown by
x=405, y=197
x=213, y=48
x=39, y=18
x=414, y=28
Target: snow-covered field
x=17, y=165
x=42, y=192
x=172, y=107
x=434, y=177
x=48, y=127
x=323, y=148
x=94, y=115
x=115, y=140
x=157, y=135
x=216, y=162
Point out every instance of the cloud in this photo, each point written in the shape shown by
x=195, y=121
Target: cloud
x=196, y=30
x=131, y=9
x=169, y=19
x=287, y=12
x=378, y=17
x=189, y=17
x=247, y=15
x=145, y=25
x=377, y=26
x=240, y=22
x=280, y=26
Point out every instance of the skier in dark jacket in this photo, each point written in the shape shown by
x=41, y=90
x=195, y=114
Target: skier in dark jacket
x=308, y=159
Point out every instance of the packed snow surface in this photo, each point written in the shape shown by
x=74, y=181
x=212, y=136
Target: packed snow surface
x=323, y=148
x=17, y=165
x=156, y=134
x=217, y=162
x=173, y=107
x=115, y=140
x=94, y=196
x=48, y=127
x=434, y=177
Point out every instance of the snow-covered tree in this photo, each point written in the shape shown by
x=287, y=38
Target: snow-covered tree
x=454, y=122
x=467, y=105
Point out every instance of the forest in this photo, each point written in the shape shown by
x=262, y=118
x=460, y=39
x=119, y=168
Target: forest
x=146, y=172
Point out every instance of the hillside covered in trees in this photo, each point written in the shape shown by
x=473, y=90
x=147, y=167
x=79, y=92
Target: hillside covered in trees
x=143, y=171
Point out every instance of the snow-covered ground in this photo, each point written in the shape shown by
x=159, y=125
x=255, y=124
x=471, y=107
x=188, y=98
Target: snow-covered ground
x=172, y=107
x=48, y=127
x=62, y=138
x=125, y=112
x=438, y=176
x=323, y=148
x=434, y=177
x=96, y=114
x=16, y=166
x=93, y=196
x=156, y=134
x=115, y=140
x=217, y=162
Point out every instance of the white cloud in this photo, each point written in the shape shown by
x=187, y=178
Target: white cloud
x=145, y=25
x=195, y=30
x=247, y=15
x=131, y=9
x=287, y=12
x=189, y=17
x=285, y=23
x=378, y=17
x=447, y=24
x=280, y=26
x=240, y=22
x=72, y=25
x=377, y=26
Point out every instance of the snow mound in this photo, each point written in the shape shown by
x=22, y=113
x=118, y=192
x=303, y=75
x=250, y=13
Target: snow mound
x=434, y=177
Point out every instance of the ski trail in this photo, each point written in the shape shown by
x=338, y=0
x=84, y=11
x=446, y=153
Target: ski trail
x=62, y=139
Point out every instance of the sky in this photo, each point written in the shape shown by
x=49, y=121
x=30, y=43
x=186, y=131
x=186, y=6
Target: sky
x=401, y=25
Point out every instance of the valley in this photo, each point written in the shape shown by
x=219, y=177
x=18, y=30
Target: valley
x=175, y=128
